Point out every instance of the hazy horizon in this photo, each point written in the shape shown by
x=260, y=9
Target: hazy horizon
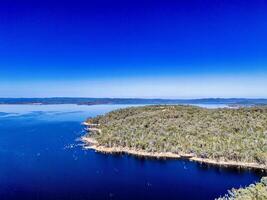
x=145, y=98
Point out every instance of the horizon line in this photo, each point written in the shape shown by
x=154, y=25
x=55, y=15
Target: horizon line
x=156, y=98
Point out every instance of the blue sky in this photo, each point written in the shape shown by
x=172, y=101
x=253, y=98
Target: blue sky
x=133, y=48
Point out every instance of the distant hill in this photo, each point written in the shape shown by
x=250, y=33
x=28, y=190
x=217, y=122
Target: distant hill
x=96, y=101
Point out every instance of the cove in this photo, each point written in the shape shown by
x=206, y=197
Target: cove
x=41, y=158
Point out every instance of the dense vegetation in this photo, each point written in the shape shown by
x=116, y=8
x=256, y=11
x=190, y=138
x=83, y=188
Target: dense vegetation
x=218, y=134
x=256, y=191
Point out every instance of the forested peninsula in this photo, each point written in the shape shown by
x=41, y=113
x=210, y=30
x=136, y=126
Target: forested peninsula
x=223, y=136
x=257, y=191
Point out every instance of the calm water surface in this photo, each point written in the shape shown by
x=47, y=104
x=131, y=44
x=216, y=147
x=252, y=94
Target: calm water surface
x=41, y=158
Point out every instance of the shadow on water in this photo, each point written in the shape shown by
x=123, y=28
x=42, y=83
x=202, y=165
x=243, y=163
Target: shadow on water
x=199, y=165
x=41, y=159
x=230, y=169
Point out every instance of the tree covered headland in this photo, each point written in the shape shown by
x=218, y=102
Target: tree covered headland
x=220, y=134
x=257, y=191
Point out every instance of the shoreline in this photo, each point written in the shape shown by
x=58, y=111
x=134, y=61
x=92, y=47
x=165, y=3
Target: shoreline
x=91, y=143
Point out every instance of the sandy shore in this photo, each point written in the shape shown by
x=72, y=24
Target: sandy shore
x=85, y=124
x=91, y=143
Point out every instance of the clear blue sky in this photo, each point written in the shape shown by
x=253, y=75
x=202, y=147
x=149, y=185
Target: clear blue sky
x=133, y=48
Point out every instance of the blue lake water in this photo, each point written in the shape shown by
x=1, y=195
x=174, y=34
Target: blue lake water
x=41, y=158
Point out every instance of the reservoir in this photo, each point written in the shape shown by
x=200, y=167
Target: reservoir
x=41, y=157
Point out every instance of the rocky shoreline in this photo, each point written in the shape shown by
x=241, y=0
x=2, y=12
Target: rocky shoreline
x=91, y=143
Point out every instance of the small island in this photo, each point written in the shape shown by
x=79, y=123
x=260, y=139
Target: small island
x=223, y=136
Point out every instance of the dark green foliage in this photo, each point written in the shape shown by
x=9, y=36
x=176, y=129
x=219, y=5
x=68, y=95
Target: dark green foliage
x=219, y=134
x=256, y=191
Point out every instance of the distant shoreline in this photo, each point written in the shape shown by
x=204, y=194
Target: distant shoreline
x=91, y=143
x=107, y=101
